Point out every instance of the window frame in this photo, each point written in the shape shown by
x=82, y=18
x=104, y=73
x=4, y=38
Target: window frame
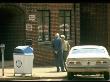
x=64, y=21
x=43, y=23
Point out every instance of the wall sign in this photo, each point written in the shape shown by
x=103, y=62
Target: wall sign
x=29, y=27
x=32, y=17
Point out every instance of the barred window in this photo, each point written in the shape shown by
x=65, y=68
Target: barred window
x=65, y=23
x=43, y=20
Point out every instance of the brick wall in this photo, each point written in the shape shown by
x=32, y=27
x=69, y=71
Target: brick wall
x=43, y=50
x=43, y=53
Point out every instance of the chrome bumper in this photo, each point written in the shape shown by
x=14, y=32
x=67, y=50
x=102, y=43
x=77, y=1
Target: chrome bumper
x=87, y=69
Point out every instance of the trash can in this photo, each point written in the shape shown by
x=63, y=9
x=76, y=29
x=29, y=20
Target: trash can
x=23, y=60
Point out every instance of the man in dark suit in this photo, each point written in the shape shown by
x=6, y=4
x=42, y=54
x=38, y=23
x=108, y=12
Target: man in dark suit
x=57, y=46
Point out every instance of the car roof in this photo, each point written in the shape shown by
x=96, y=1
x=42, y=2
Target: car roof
x=89, y=55
x=88, y=46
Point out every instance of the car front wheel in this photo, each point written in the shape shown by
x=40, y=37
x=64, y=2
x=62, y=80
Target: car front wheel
x=70, y=75
x=106, y=75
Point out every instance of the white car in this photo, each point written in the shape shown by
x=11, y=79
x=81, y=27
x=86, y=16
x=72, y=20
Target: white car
x=87, y=60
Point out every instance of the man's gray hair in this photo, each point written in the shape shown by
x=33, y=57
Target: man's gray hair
x=57, y=35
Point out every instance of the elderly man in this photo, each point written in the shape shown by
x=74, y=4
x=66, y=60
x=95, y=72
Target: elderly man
x=57, y=46
x=66, y=48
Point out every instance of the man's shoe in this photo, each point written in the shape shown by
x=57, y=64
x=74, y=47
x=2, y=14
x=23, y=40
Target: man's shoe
x=58, y=70
x=63, y=70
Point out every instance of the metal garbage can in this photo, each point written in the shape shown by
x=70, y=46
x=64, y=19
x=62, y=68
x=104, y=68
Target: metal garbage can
x=23, y=60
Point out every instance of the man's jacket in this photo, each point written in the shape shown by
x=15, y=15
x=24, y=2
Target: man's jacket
x=57, y=45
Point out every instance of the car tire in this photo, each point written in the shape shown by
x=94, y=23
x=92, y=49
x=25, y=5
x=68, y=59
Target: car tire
x=106, y=75
x=70, y=75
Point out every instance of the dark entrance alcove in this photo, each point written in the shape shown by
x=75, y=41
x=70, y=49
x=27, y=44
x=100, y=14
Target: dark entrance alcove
x=12, y=29
x=93, y=24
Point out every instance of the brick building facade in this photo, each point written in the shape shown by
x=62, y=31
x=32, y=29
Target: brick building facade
x=80, y=23
x=43, y=47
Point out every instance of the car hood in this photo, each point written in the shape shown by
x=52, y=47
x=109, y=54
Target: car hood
x=88, y=55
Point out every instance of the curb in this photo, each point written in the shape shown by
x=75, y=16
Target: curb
x=28, y=78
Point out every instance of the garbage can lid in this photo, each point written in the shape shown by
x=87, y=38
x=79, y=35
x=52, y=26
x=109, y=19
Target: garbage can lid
x=27, y=50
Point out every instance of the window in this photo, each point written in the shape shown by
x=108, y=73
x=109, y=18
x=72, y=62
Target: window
x=43, y=20
x=65, y=23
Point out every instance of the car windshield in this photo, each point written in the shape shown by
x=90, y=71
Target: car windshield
x=88, y=50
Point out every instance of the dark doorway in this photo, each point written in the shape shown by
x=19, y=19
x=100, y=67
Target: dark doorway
x=93, y=25
x=12, y=29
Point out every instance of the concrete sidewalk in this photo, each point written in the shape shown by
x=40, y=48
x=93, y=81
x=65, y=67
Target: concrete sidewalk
x=37, y=73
